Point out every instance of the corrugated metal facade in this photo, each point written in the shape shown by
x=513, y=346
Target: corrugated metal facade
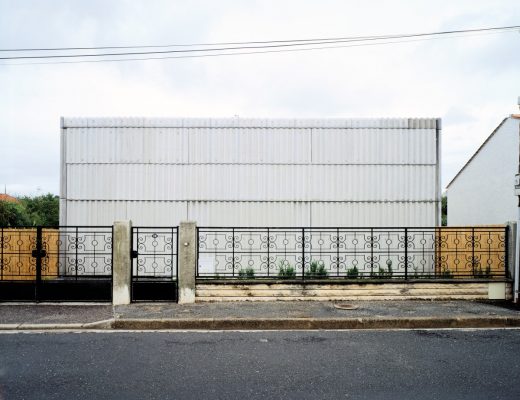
x=349, y=172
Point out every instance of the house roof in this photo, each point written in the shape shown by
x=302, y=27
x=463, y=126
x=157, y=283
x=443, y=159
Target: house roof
x=516, y=116
x=8, y=198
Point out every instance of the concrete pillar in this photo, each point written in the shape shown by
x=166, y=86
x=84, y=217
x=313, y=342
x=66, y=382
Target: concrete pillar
x=187, y=261
x=122, y=263
x=511, y=245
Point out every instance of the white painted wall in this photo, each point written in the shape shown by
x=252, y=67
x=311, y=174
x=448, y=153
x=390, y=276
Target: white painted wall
x=258, y=172
x=483, y=192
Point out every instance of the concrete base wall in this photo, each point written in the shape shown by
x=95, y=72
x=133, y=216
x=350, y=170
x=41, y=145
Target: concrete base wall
x=276, y=291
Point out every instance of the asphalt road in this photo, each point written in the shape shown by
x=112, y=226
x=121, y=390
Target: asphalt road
x=449, y=364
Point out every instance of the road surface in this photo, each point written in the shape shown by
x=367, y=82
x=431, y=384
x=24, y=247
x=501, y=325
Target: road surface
x=437, y=364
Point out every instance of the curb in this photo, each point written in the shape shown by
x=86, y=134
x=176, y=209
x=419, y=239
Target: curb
x=105, y=324
x=277, y=324
x=317, y=323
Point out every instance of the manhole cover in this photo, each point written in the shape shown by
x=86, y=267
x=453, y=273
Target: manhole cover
x=346, y=306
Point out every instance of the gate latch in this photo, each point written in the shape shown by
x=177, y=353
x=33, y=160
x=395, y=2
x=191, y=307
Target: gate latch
x=134, y=254
x=39, y=253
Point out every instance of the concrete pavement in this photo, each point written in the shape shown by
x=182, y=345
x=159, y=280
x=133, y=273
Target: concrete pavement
x=260, y=315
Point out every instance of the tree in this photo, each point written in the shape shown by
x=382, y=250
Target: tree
x=42, y=210
x=13, y=215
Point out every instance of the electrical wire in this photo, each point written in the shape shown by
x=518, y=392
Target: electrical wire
x=268, y=42
x=420, y=37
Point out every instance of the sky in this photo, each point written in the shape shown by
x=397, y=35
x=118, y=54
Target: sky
x=471, y=82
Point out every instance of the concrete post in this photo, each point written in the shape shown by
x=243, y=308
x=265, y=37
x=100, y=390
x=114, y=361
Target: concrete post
x=187, y=261
x=122, y=263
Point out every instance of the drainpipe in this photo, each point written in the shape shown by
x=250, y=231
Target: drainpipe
x=517, y=244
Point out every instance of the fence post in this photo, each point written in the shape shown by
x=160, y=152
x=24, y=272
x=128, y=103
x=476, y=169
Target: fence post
x=405, y=253
x=187, y=261
x=122, y=262
x=511, y=249
x=38, y=254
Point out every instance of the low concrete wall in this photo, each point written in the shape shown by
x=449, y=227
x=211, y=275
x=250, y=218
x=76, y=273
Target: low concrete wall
x=277, y=291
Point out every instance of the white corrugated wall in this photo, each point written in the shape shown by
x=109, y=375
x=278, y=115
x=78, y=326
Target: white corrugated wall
x=329, y=172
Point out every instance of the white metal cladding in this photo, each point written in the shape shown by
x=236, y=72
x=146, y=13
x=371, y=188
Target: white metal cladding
x=238, y=213
x=230, y=182
x=249, y=171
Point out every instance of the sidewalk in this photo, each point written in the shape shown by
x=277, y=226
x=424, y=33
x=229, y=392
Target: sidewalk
x=260, y=315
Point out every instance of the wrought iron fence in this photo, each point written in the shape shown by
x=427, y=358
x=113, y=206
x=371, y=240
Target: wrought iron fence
x=62, y=252
x=156, y=252
x=353, y=253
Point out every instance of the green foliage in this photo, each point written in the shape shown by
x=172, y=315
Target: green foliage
x=247, y=273
x=13, y=215
x=286, y=270
x=478, y=272
x=316, y=270
x=42, y=210
x=444, y=210
x=446, y=273
x=352, y=273
x=385, y=273
x=31, y=211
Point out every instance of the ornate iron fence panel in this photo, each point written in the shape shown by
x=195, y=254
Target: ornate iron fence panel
x=154, y=270
x=65, y=263
x=377, y=253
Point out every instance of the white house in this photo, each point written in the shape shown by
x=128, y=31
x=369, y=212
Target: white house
x=482, y=192
x=251, y=172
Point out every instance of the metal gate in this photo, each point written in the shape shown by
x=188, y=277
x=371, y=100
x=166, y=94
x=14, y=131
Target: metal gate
x=154, y=269
x=68, y=263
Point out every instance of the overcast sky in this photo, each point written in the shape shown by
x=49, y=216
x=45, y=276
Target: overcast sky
x=472, y=83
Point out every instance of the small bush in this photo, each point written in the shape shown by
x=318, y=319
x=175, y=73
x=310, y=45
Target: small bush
x=248, y=273
x=316, y=271
x=286, y=270
x=446, y=273
x=352, y=273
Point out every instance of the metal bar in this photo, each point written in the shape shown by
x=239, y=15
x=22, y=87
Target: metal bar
x=473, y=250
x=197, y=230
x=405, y=253
x=171, y=252
x=233, y=251
x=38, y=263
x=371, y=251
x=268, y=251
x=506, y=249
x=2, y=254
x=303, y=253
x=337, y=252
x=76, y=241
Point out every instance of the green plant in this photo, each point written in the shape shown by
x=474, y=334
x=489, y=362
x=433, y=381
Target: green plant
x=415, y=272
x=446, y=273
x=248, y=273
x=286, y=270
x=316, y=270
x=390, y=271
x=383, y=273
x=352, y=273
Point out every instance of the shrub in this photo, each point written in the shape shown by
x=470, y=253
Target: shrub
x=248, y=273
x=286, y=270
x=446, y=273
x=316, y=270
x=352, y=273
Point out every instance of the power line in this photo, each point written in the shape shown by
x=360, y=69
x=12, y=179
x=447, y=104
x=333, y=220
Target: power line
x=246, y=53
x=266, y=44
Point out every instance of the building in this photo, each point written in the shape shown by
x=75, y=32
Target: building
x=251, y=172
x=8, y=198
x=482, y=192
